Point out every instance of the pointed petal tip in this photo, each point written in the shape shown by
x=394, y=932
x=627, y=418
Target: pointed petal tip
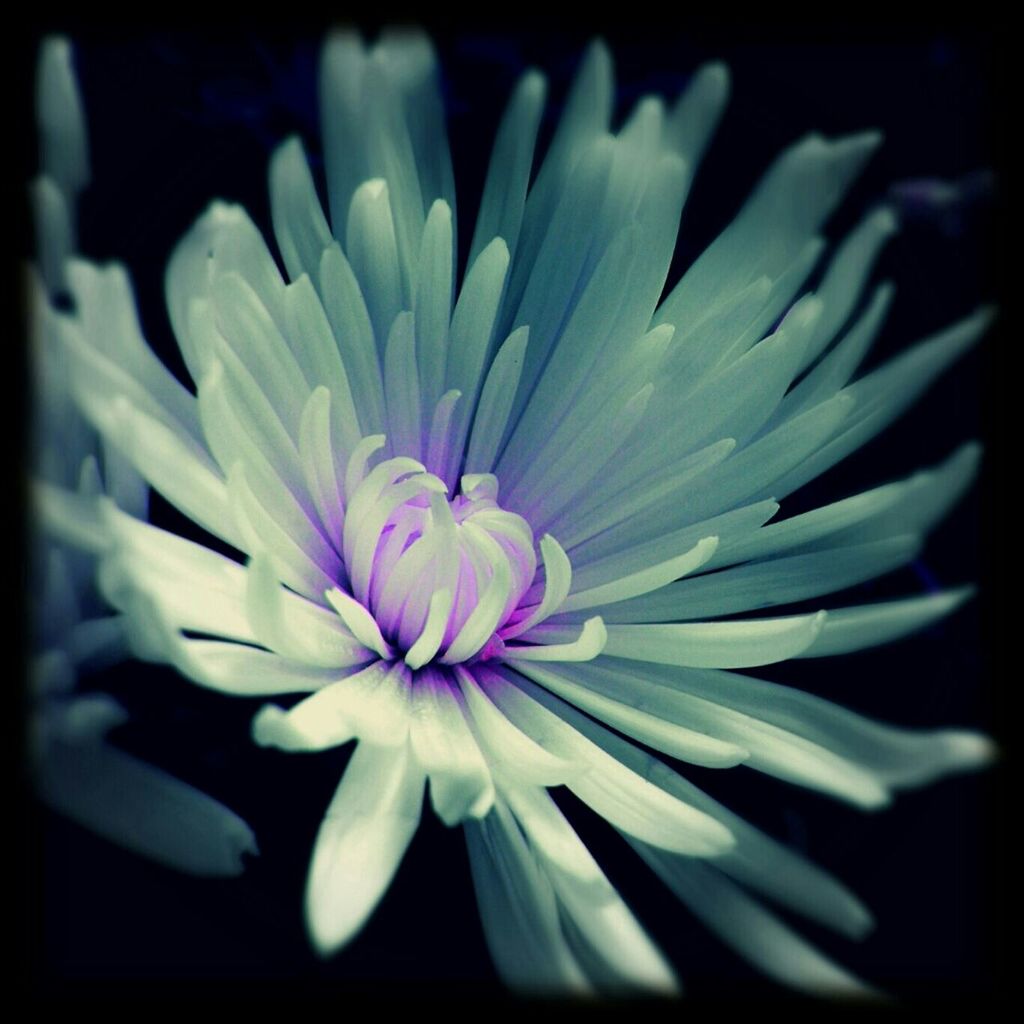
x=533, y=85
x=598, y=50
x=985, y=315
x=289, y=148
x=323, y=940
x=715, y=75
x=885, y=220
x=858, y=143
x=968, y=751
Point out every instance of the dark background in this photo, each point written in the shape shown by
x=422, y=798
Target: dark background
x=177, y=118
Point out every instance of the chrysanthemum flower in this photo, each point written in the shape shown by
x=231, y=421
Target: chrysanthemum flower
x=120, y=797
x=515, y=532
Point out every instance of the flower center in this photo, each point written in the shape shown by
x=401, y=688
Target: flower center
x=439, y=577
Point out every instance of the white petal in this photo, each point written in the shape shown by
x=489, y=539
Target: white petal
x=894, y=757
x=614, y=950
x=460, y=782
x=504, y=744
x=584, y=646
x=656, y=732
x=652, y=700
x=557, y=581
x=366, y=831
x=519, y=910
x=359, y=622
x=614, y=792
x=295, y=627
x=370, y=704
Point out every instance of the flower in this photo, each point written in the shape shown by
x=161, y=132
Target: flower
x=459, y=670
x=115, y=795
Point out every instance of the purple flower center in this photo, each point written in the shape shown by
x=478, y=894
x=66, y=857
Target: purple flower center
x=439, y=577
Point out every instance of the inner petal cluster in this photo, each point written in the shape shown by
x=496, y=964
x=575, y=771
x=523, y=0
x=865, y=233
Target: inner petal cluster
x=439, y=577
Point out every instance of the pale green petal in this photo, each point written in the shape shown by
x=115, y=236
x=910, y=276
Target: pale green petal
x=54, y=231
x=432, y=302
x=495, y=406
x=735, y=644
x=766, y=584
x=258, y=342
x=372, y=250
x=643, y=581
x=504, y=195
x=756, y=860
x=787, y=207
x=63, y=142
x=143, y=809
x=755, y=933
x=585, y=117
x=853, y=629
x=272, y=523
x=592, y=568
x=299, y=223
x=882, y=395
x=894, y=757
x=472, y=330
x=695, y=116
x=223, y=241
x=316, y=350
x=841, y=287
x=401, y=387
x=655, y=694
x=350, y=320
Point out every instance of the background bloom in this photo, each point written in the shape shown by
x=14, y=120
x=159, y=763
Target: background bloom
x=875, y=477
x=75, y=633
